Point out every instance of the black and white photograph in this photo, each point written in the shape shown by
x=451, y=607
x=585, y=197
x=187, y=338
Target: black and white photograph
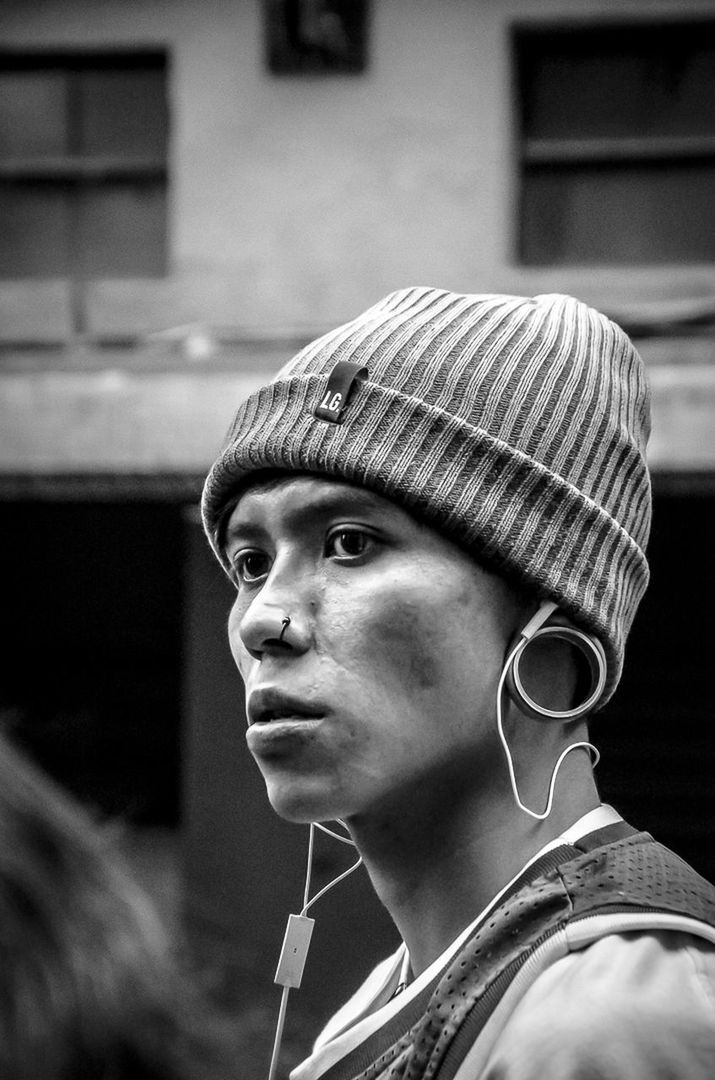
x=357, y=478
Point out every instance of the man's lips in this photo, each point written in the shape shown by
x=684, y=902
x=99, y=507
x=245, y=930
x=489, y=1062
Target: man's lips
x=270, y=705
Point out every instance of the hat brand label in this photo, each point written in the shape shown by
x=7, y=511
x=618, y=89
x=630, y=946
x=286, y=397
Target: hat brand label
x=341, y=381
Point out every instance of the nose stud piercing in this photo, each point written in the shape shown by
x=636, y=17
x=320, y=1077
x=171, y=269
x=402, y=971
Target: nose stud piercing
x=285, y=623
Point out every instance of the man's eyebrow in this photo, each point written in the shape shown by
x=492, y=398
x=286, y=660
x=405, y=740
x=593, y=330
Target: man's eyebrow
x=325, y=504
x=237, y=530
x=338, y=502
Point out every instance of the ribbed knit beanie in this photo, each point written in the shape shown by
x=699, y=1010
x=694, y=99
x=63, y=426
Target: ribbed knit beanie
x=516, y=427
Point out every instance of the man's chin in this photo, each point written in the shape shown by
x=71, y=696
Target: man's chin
x=302, y=803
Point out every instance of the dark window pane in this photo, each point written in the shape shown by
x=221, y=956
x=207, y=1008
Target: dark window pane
x=634, y=213
x=628, y=80
x=55, y=219
x=35, y=230
x=123, y=112
x=123, y=232
x=33, y=114
x=624, y=91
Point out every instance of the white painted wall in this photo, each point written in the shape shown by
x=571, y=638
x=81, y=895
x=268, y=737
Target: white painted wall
x=296, y=202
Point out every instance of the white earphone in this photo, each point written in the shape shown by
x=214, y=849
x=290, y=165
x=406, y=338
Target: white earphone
x=589, y=647
x=592, y=651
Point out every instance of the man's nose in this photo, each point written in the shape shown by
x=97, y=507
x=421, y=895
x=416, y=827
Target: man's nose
x=278, y=618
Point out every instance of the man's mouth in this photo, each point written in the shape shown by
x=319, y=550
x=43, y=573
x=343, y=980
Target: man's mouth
x=270, y=706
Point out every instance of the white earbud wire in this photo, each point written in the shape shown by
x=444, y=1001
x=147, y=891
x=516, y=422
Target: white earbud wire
x=308, y=902
x=510, y=762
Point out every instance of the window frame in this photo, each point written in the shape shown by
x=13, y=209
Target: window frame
x=76, y=170
x=530, y=152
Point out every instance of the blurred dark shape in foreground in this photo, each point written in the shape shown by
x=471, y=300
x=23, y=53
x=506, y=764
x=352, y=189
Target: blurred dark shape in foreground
x=92, y=984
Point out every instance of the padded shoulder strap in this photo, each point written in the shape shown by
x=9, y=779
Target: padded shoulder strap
x=609, y=834
x=384, y=1045
x=635, y=873
x=618, y=870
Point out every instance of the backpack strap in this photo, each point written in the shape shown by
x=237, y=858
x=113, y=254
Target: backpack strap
x=609, y=834
x=612, y=870
x=618, y=870
x=372, y=1055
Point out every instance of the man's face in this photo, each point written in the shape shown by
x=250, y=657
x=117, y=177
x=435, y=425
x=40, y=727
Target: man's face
x=384, y=684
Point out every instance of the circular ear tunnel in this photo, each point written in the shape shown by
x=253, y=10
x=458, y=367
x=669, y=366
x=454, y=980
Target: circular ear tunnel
x=591, y=689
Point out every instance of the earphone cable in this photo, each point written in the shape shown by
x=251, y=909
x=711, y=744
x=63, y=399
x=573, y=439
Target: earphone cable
x=307, y=903
x=596, y=757
x=335, y=836
x=335, y=881
x=278, y=1037
x=309, y=868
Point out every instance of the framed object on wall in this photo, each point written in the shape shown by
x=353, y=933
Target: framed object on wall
x=316, y=37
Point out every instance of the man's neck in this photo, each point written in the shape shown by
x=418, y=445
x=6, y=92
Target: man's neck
x=435, y=867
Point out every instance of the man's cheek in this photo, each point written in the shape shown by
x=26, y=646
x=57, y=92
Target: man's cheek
x=241, y=657
x=399, y=642
x=245, y=663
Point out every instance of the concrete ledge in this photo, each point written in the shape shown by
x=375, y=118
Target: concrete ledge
x=134, y=422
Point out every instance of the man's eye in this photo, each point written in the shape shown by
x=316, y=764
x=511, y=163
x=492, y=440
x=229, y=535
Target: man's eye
x=250, y=566
x=348, y=543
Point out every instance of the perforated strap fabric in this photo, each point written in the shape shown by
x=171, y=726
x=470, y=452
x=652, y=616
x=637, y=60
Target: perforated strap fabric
x=381, y=1047
x=636, y=872
x=631, y=873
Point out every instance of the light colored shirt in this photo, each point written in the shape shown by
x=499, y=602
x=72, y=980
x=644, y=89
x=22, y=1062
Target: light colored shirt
x=633, y=1006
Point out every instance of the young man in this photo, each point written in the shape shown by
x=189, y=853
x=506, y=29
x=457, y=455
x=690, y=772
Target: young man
x=435, y=518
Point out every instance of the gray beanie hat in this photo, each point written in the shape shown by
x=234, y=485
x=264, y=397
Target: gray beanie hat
x=516, y=427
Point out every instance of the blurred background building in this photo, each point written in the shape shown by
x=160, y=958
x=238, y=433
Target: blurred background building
x=188, y=193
